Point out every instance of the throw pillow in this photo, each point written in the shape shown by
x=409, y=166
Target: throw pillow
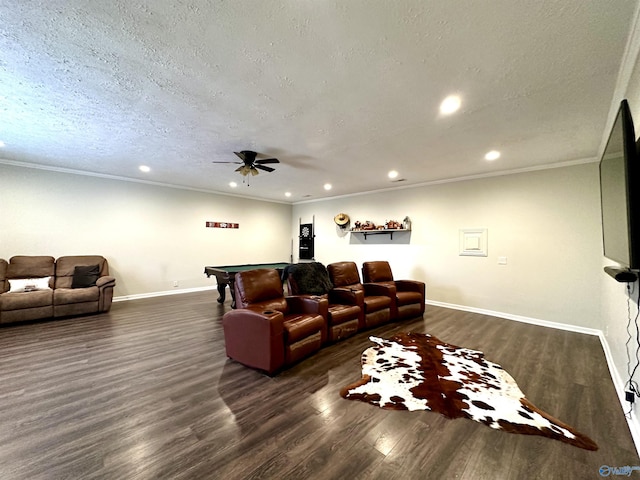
x=20, y=285
x=85, y=276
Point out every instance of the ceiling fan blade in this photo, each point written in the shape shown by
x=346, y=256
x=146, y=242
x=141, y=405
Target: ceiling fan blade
x=227, y=162
x=266, y=169
x=240, y=154
x=267, y=160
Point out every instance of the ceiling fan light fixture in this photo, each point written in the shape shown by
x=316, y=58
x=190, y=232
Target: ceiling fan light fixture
x=244, y=170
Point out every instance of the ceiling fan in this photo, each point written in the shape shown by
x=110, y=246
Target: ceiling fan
x=250, y=165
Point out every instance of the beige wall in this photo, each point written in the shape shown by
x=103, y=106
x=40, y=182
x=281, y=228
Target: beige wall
x=617, y=301
x=151, y=235
x=547, y=224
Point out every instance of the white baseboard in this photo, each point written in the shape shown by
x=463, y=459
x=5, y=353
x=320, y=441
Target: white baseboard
x=632, y=421
x=138, y=296
x=618, y=383
x=518, y=318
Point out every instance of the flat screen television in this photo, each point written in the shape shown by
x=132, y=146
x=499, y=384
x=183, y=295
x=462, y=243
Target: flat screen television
x=620, y=197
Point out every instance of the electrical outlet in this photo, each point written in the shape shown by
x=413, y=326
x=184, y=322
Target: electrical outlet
x=175, y=283
x=629, y=397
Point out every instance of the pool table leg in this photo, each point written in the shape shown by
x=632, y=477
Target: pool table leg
x=222, y=292
x=232, y=291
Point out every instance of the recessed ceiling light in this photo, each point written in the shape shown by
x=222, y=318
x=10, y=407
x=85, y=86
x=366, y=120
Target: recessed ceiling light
x=287, y=194
x=450, y=104
x=233, y=184
x=393, y=174
x=144, y=168
x=492, y=155
x=327, y=186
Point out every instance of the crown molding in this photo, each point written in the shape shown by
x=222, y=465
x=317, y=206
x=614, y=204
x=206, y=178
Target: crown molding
x=84, y=173
x=500, y=173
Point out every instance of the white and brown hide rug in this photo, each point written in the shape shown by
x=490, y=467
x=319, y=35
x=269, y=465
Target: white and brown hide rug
x=416, y=371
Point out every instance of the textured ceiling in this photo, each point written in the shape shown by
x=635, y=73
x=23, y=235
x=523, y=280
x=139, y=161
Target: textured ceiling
x=339, y=91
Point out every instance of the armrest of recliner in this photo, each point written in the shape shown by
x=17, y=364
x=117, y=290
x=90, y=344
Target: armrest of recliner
x=310, y=304
x=347, y=296
x=106, y=281
x=411, y=286
x=264, y=323
x=255, y=338
x=105, y=286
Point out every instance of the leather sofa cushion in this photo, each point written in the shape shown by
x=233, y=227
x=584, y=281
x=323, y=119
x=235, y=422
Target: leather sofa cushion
x=407, y=298
x=343, y=313
x=64, y=296
x=377, y=272
x=255, y=286
x=298, y=327
x=376, y=302
x=16, y=301
x=343, y=274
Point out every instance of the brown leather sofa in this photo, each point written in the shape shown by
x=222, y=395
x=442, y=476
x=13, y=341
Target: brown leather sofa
x=410, y=294
x=377, y=299
x=267, y=330
x=344, y=309
x=37, y=287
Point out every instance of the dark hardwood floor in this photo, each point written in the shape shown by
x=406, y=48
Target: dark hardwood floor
x=146, y=391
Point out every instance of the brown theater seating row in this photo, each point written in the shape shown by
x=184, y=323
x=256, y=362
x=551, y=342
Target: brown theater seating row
x=269, y=331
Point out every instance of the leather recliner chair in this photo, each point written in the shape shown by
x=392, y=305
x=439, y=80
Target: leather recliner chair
x=410, y=294
x=376, y=299
x=344, y=307
x=267, y=330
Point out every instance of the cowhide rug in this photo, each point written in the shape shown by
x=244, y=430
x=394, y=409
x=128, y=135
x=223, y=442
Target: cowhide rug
x=414, y=371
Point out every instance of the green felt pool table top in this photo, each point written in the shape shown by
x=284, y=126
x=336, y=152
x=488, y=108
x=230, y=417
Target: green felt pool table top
x=250, y=266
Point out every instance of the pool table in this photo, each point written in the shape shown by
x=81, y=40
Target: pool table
x=225, y=275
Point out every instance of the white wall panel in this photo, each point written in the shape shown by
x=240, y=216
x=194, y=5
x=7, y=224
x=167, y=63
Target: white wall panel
x=151, y=235
x=547, y=224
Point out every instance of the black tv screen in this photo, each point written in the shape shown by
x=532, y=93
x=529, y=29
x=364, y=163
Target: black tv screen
x=619, y=190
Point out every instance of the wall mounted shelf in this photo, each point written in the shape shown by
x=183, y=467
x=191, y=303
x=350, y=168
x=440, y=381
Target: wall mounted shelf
x=386, y=231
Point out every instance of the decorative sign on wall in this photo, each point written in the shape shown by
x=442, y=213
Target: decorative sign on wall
x=222, y=225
